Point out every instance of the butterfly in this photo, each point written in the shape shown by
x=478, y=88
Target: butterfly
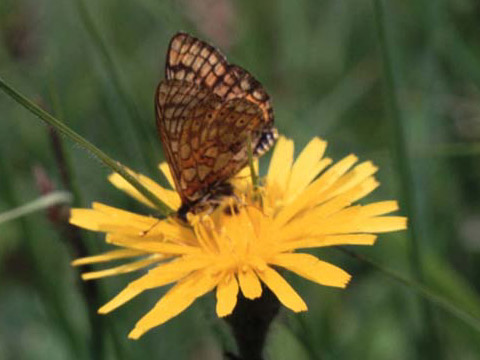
x=206, y=111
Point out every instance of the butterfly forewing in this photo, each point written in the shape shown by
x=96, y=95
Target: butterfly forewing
x=206, y=110
x=193, y=60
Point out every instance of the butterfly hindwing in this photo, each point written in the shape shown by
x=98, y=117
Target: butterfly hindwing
x=205, y=138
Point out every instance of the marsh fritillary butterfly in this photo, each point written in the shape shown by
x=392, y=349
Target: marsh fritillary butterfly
x=206, y=110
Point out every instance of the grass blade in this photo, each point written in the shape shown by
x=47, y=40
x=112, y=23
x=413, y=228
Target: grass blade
x=82, y=142
x=43, y=202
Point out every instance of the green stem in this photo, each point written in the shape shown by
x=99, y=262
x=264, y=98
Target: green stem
x=43, y=202
x=253, y=173
x=436, y=299
x=403, y=165
x=104, y=158
x=67, y=174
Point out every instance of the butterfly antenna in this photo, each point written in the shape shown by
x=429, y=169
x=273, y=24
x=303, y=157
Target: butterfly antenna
x=145, y=232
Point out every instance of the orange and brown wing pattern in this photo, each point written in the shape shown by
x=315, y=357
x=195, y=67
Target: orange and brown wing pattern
x=193, y=60
x=204, y=137
x=206, y=111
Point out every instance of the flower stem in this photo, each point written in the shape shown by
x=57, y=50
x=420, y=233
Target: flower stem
x=100, y=155
x=250, y=322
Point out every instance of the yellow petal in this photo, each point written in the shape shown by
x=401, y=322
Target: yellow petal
x=122, y=269
x=169, y=197
x=107, y=218
x=165, y=169
x=243, y=180
x=161, y=275
x=170, y=230
x=108, y=256
x=309, y=267
x=345, y=223
x=328, y=240
x=383, y=224
x=337, y=203
x=249, y=283
x=227, y=292
x=305, y=168
x=240, y=230
x=151, y=246
x=280, y=164
x=174, y=302
x=87, y=219
x=313, y=194
x=282, y=289
x=123, y=215
x=352, y=219
x=353, y=178
x=379, y=208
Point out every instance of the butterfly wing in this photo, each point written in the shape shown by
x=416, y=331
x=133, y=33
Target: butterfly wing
x=193, y=60
x=204, y=137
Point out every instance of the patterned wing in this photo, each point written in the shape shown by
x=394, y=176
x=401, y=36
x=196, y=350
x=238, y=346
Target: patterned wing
x=205, y=138
x=193, y=60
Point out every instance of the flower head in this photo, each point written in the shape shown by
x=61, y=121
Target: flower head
x=243, y=243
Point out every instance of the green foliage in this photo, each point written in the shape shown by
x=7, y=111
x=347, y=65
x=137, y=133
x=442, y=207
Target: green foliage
x=95, y=65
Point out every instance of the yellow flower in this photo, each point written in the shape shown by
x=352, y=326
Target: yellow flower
x=302, y=204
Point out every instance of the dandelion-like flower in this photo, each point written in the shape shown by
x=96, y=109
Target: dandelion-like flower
x=301, y=204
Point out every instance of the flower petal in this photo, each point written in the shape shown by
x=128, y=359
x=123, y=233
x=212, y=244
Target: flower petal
x=169, y=197
x=165, y=169
x=383, y=224
x=249, y=283
x=282, y=289
x=305, y=168
x=122, y=269
x=309, y=267
x=243, y=180
x=151, y=246
x=170, y=230
x=227, y=292
x=107, y=218
x=280, y=164
x=240, y=230
x=328, y=240
x=87, y=218
x=161, y=275
x=313, y=193
x=353, y=178
x=379, y=208
x=353, y=219
x=339, y=202
x=175, y=301
x=108, y=256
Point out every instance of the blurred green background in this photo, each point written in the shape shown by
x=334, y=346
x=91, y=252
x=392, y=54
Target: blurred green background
x=95, y=65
